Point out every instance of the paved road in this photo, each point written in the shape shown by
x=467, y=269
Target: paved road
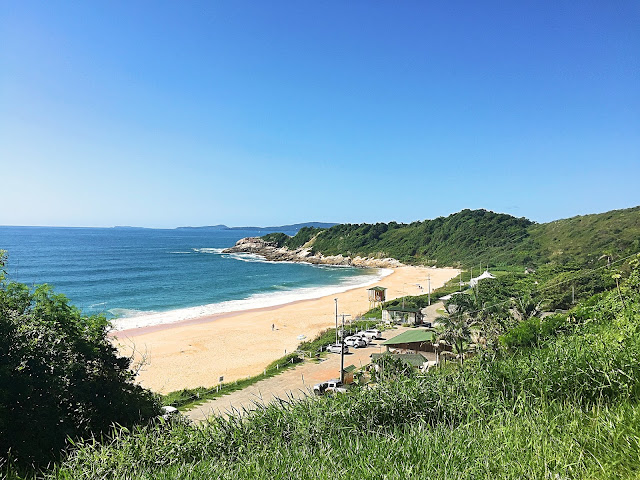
x=296, y=382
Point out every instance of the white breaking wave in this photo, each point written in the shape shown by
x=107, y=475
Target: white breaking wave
x=136, y=319
x=216, y=251
x=128, y=312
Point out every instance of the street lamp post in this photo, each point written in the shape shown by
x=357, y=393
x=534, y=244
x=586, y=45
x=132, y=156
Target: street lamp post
x=429, y=280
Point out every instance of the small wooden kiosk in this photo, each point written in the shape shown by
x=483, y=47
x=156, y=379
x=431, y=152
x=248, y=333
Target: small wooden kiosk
x=377, y=295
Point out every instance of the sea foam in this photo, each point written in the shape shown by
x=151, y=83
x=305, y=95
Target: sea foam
x=135, y=319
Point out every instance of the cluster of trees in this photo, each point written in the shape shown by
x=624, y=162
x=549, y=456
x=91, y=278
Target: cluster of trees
x=60, y=377
x=508, y=310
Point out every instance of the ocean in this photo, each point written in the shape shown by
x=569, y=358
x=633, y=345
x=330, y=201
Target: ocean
x=140, y=277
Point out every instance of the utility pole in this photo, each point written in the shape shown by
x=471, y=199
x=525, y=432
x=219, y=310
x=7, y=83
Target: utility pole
x=336, y=300
x=429, y=280
x=342, y=350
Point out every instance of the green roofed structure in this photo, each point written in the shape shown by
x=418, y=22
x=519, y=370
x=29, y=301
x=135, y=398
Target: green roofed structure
x=417, y=340
x=400, y=314
x=348, y=373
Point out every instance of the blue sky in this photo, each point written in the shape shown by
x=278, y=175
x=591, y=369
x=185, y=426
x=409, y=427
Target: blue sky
x=164, y=114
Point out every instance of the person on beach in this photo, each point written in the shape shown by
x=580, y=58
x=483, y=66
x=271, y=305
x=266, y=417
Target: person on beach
x=273, y=327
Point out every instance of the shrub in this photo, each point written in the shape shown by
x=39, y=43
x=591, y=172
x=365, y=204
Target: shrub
x=60, y=377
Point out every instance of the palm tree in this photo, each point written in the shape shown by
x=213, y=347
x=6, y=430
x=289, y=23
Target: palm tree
x=456, y=327
x=457, y=332
x=608, y=256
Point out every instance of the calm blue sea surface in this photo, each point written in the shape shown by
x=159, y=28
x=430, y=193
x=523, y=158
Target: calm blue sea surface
x=126, y=272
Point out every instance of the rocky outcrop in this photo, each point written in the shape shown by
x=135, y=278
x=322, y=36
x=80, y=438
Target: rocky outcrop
x=272, y=252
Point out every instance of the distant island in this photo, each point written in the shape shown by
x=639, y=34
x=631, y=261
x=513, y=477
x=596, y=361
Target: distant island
x=281, y=228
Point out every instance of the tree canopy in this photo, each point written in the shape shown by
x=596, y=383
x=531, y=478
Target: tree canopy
x=60, y=376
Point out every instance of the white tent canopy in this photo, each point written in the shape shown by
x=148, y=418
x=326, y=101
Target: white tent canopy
x=474, y=281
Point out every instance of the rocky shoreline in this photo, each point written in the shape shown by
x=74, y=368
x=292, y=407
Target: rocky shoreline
x=270, y=251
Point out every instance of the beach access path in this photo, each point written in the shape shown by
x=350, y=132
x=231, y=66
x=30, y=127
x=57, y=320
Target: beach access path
x=296, y=382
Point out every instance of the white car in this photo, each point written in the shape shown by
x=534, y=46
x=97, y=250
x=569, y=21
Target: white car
x=372, y=333
x=334, y=386
x=169, y=412
x=361, y=335
x=337, y=348
x=355, y=342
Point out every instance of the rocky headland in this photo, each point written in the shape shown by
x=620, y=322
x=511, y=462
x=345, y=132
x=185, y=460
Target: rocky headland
x=272, y=252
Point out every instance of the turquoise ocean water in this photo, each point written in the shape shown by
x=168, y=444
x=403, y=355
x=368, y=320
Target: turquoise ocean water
x=147, y=276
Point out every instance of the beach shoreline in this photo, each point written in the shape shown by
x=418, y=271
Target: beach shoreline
x=234, y=345
x=196, y=314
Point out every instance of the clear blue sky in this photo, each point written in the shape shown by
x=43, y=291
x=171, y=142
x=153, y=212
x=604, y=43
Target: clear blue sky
x=272, y=112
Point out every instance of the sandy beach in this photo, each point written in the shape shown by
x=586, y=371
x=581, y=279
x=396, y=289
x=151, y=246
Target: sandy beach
x=235, y=345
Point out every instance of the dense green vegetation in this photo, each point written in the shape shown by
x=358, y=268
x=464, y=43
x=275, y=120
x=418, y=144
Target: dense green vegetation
x=560, y=399
x=479, y=237
x=60, y=377
x=585, y=239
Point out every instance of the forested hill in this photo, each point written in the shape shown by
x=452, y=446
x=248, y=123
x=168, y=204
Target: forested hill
x=587, y=238
x=474, y=237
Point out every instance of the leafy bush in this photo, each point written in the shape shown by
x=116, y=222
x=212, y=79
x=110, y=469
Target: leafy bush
x=60, y=377
x=533, y=330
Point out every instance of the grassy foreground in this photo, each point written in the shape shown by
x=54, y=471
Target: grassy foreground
x=565, y=405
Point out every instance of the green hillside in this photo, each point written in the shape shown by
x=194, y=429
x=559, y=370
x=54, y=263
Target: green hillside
x=479, y=237
x=586, y=238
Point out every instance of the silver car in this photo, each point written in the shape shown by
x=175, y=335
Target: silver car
x=337, y=348
x=355, y=342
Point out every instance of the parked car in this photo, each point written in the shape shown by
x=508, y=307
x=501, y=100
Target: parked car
x=169, y=412
x=334, y=386
x=355, y=342
x=372, y=333
x=361, y=335
x=337, y=348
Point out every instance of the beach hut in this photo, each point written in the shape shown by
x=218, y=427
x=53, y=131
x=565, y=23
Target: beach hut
x=348, y=373
x=376, y=295
x=405, y=315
